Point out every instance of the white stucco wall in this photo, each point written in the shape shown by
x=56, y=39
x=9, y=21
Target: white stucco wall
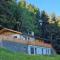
x=18, y=35
x=49, y=51
x=29, y=49
x=44, y=50
x=40, y=50
x=22, y=37
x=31, y=38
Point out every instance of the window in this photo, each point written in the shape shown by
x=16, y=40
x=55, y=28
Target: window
x=51, y=51
x=35, y=51
x=28, y=38
x=15, y=36
x=32, y=50
x=47, y=51
x=42, y=50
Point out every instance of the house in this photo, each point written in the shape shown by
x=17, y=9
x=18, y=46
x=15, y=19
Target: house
x=18, y=42
x=15, y=34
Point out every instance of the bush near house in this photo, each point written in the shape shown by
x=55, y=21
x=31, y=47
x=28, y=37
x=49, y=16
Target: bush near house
x=8, y=55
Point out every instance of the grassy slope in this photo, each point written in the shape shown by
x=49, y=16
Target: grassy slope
x=7, y=55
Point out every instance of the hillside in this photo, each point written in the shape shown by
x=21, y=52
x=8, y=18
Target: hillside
x=8, y=55
x=30, y=19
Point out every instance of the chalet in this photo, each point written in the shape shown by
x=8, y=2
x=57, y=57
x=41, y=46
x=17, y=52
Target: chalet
x=15, y=34
x=18, y=42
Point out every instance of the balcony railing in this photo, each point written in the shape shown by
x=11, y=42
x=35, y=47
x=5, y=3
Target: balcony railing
x=28, y=42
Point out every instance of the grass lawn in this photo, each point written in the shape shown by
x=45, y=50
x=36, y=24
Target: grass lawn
x=8, y=55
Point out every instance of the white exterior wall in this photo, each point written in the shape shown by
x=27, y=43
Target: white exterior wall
x=40, y=50
x=31, y=38
x=49, y=51
x=18, y=35
x=23, y=37
x=29, y=49
x=44, y=51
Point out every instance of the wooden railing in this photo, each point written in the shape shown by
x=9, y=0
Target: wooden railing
x=7, y=38
x=35, y=43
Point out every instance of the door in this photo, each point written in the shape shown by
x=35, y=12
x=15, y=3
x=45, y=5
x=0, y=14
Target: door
x=32, y=50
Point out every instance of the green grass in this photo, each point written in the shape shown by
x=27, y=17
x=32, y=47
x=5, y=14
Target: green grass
x=8, y=55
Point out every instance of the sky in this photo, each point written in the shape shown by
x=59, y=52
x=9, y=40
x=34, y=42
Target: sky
x=50, y=6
